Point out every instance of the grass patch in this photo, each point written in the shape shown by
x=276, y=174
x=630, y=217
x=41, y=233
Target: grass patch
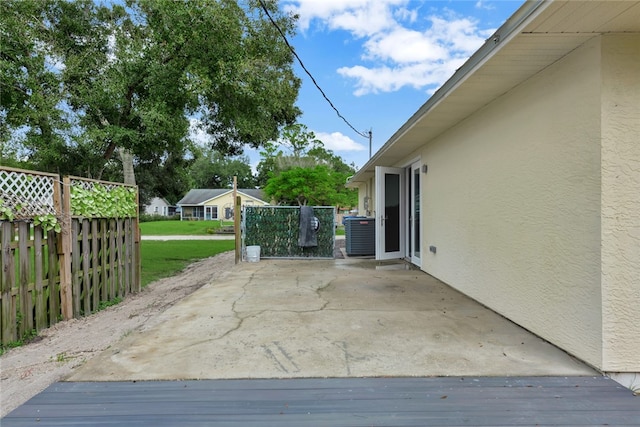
x=164, y=259
x=176, y=228
x=105, y=304
x=159, y=259
x=28, y=336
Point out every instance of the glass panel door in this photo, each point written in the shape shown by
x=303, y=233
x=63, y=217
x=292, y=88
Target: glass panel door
x=415, y=229
x=389, y=213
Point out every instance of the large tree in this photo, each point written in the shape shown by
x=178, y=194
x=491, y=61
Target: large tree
x=318, y=185
x=303, y=172
x=296, y=147
x=164, y=177
x=133, y=75
x=212, y=169
x=30, y=87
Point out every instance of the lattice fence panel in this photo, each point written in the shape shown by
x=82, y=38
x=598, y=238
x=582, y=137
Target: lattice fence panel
x=38, y=263
x=91, y=184
x=27, y=194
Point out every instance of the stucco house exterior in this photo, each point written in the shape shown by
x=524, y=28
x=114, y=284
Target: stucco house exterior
x=206, y=204
x=159, y=206
x=518, y=181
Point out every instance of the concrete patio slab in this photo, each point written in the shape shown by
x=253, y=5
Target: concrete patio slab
x=329, y=318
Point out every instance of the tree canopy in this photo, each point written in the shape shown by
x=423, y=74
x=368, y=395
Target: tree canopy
x=308, y=174
x=212, y=169
x=318, y=186
x=81, y=81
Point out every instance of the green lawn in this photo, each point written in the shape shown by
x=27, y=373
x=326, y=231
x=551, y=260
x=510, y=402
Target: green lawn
x=164, y=259
x=187, y=228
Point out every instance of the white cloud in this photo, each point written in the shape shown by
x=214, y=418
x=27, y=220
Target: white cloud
x=420, y=76
x=336, y=141
x=360, y=17
x=480, y=4
x=422, y=59
x=399, y=48
x=363, y=22
x=404, y=14
x=403, y=45
x=460, y=35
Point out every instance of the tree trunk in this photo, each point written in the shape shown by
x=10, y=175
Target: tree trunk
x=126, y=157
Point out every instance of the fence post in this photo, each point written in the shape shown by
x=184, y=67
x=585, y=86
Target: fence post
x=8, y=318
x=236, y=227
x=63, y=206
x=236, y=220
x=137, y=264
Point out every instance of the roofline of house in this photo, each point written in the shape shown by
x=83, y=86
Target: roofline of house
x=529, y=10
x=204, y=202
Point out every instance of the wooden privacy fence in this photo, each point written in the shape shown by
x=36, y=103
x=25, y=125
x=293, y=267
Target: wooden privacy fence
x=67, y=247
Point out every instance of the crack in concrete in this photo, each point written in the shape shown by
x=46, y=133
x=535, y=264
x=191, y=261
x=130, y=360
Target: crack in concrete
x=241, y=317
x=319, y=292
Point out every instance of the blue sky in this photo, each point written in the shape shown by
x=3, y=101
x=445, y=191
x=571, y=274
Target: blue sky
x=378, y=61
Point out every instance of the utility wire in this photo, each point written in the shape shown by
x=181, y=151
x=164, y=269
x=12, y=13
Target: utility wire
x=284, y=37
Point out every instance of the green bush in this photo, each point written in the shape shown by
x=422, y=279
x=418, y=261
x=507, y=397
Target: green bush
x=151, y=218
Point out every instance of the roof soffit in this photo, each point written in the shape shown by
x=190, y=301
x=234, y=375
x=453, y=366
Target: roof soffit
x=558, y=28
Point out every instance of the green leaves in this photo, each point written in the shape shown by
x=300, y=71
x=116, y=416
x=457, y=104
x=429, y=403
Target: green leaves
x=214, y=170
x=320, y=186
x=103, y=202
x=82, y=79
x=47, y=222
x=310, y=174
x=6, y=213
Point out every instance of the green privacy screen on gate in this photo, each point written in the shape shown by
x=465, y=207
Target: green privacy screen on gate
x=276, y=229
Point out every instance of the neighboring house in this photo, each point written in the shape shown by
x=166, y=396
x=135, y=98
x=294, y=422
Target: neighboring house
x=216, y=204
x=159, y=206
x=518, y=181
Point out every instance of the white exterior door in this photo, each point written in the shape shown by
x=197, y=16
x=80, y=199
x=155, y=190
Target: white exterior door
x=390, y=213
x=414, y=231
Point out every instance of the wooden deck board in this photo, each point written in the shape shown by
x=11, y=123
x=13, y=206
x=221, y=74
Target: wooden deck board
x=448, y=401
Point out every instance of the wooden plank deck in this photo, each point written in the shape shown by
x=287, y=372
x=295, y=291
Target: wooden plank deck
x=448, y=401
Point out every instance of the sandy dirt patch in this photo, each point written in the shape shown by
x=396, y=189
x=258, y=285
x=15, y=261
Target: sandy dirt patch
x=57, y=351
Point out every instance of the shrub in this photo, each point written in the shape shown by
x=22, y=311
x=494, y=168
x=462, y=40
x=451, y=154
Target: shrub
x=150, y=218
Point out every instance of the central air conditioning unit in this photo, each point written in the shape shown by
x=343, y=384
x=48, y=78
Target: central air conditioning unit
x=360, y=236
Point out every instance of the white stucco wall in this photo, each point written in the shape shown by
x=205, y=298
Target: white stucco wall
x=512, y=203
x=366, y=190
x=621, y=202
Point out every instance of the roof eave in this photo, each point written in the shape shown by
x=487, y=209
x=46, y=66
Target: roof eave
x=512, y=27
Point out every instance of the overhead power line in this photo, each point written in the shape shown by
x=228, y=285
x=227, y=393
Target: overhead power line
x=284, y=37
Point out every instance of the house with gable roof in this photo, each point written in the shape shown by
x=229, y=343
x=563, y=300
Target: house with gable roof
x=518, y=181
x=159, y=206
x=210, y=204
